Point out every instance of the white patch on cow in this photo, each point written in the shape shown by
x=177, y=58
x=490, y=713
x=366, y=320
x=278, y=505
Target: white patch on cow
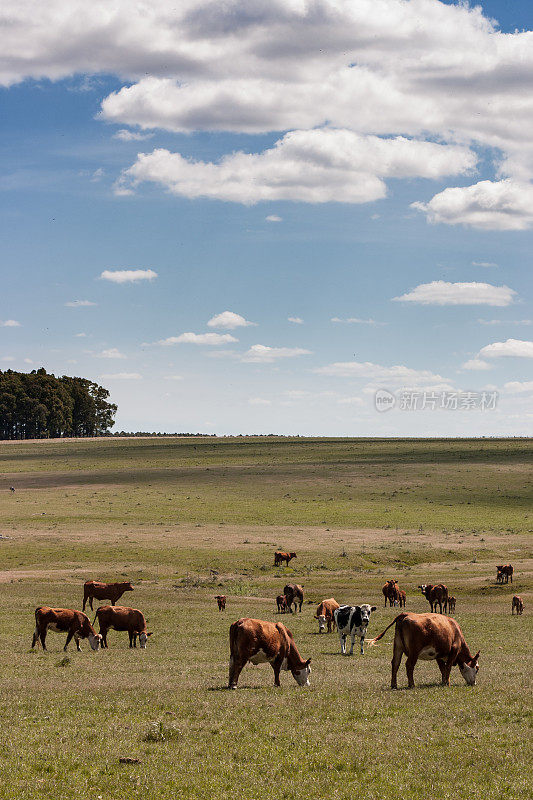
x=143, y=638
x=53, y=627
x=427, y=654
x=321, y=623
x=469, y=673
x=302, y=677
x=94, y=640
x=260, y=658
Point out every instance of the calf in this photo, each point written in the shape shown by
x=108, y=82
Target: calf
x=402, y=598
x=64, y=620
x=104, y=591
x=261, y=642
x=451, y=604
x=391, y=592
x=281, y=602
x=324, y=615
x=352, y=621
x=505, y=571
x=434, y=594
x=280, y=557
x=518, y=604
x=221, y=600
x=120, y=618
x=294, y=595
x=430, y=637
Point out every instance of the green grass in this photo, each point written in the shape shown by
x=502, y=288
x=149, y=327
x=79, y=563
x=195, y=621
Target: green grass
x=67, y=721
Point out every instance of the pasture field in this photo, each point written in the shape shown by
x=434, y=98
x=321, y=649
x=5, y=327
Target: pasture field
x=186, y=519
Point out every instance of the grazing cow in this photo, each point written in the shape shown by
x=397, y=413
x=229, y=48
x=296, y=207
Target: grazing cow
x=104, y=591
x=391, y=592
x=505, y=571
x=402, y=598
x=280, y=557
x=281, y=602
x=11, y=488
x=221, y=600
x=120, y=618
x=352, y=621
x=518, y=604
x=434, y=594
x=294, y=594
x=324, y=615
x=261, y=642
x=430, y=637
x=451, y=604
x=64, y=620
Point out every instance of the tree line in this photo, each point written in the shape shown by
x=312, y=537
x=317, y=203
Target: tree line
x=37, y=405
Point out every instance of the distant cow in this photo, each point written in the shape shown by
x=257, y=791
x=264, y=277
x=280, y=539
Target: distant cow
x=451, y=604
x=429, y=637
x=260, y=642
x=281, y=602
x=120, y=618
x=324, y=615
x=11, y=488
x=504, y=572
x=64, y=620
x=280, y=557
x=294, y=595
x=402, y=598
x=518, y=604
x=352, y=621
x=391, y=592
x=221, y=600
x=434, y=594
x=104, y=591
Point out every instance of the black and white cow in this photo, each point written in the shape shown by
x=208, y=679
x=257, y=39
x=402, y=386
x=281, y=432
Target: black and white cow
x=352, y=621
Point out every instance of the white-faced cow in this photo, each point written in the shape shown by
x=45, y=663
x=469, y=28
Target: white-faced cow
x=265, y=642
x=352, y=621
x=435, y=593
x=391, y=592
x=221, y=601
x=324, y=615
x=294, y=595
x=104, y=591
x=64, y=620
x=120, y=618
x=430, y=637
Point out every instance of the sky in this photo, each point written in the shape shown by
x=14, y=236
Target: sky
x=265, y=217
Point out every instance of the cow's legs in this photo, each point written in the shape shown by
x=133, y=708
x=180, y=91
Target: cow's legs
x=69, y=637
x=396, y=661
x=103, y=631
x=352, y=639
x=77, y=640
x=342, y=637
x=362, y=644
x=91, y=603
x=442, y=666
x=84, y=602
x=36, y=638
x=235, y=669
x=276, y=666
x=410, y=667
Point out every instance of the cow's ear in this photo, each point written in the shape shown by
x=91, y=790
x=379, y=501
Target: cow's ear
x=149, y=633
x=374, y=608
x=477, y=655
x=307, y=662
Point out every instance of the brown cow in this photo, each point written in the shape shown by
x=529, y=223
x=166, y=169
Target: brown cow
x=294, y=594
x=280, y=557
x=221, y=600
x=434, y=594
x=451, y=604
x=429, y=637
x=281, y=602
x=518, y=604
x=123, y=619
x=64, y=620
x=504, y=571
x=402, y=598
x=260, y=642
x=104, y=591
x=391, y=592
x=324, y=614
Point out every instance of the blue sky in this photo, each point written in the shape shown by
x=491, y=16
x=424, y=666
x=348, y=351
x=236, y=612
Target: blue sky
x=278, y=182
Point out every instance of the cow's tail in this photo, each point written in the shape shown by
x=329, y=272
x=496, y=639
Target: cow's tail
x=372, y=642
x=96, y=615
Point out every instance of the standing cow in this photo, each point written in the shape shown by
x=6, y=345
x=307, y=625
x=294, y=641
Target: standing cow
x=325, y=615
x=518, y=605
x=352, y=621
x=391, y=592
x=280, y=557
x=64, y=620
x=120, y=618
x=434, y=594
x=265, y=642
x=281, y=602
x=104, y=591
x=504, y=572
x=221, y=600
x=294, y=595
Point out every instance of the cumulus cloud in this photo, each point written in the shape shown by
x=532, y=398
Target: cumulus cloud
x=398, y=374
x=484, y=264
x=295, y=320
x=228, y=320
x=120, y=376
x=214, y=339
x=262, y=354
x=316, y=166
x=131, y=136
x=10, y=323
x=112, y=352
x=79, y=303
x=504, y=205
x=128, y=275
x=274, y=218
x=441, y=293
x=259, y=401
x=173, y=377
x=505, y=321
x=356, y=321
x=510, y=348
x=516, y=387
x=476, y=364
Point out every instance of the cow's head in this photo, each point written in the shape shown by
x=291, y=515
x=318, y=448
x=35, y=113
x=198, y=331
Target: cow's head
x=470, y=669
x=366, y=610
x=95, y=640
x=128, y=587
x=292, y=555
x=143, y=638
x=321, y=623
x=302, y=676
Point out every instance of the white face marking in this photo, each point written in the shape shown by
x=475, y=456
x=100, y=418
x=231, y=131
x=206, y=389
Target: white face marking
x=469, y=673
x=321, y=623
x=302, y=677
x=143, y=638
x=95, y=641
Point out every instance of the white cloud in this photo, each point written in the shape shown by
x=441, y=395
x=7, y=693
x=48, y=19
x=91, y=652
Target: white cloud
x=259, y=401
x=215, y=339
x=316, y=166
x=262, y=354
x=505, y=205
x=356, y=321
x=173, y=377
x=228, y=320
x=79, y=303
x=505, y=321
x=80, y=335
x=398, y=374
x=441, y=293
x=510, y=348
x=97, y=175
x=484, y=264
x=516, y=387
x=295, y=320
x=128, y=275
x=28, y=361
x=10, y=323
x=274, y=218
x=120, y=376
x=131, y=136
x=112, y=352
x=477, y=364
x=351, y=401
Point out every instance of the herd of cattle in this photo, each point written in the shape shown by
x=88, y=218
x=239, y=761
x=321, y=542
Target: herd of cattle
x=428, y=636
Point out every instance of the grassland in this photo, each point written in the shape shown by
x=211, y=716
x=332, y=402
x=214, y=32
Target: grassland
x=187, y=519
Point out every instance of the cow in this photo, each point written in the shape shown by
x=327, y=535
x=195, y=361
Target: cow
x=281, y=602
x=120, y=618
x=352, y=621
x=430, y=637
x=260, y=642
x=294, y=594
x=402, y=598
x=504, y=571
x=64, y=620
x=104, y=591
x=324, y=615
x=391, y=592
x=280, y=557
x=451, y=604
x=11, y=489
x=434, y=594
x=518, y=604
x=221, y=600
